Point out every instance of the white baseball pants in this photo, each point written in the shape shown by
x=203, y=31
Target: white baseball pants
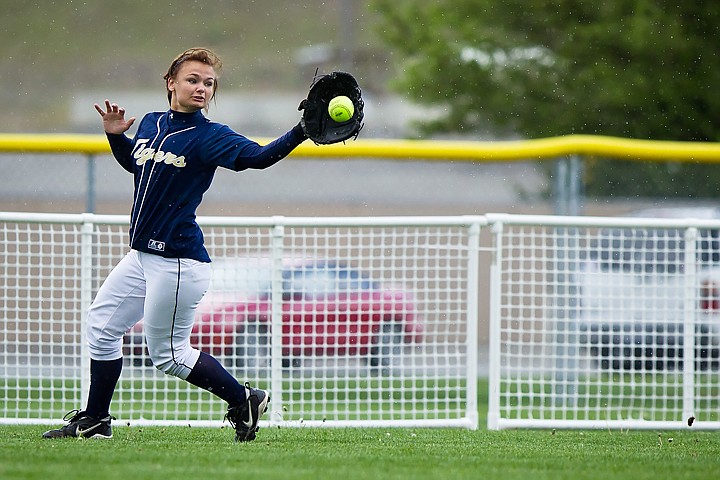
x=165, y=293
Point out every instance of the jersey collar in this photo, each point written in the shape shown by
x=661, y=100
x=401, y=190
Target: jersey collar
x=183, y=118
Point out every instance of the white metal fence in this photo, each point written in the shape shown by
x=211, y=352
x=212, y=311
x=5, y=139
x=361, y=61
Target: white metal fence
x=347, y=321
x=594, y=322
x=604, y=323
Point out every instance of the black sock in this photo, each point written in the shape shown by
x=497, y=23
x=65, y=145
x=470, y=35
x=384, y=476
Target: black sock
x=104, y=376
x=209, y=375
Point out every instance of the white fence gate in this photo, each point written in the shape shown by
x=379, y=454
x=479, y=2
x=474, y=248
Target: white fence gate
x=604, y=323
x=347, y=321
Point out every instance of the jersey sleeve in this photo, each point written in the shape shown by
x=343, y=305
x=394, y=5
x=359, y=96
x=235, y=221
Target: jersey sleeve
x=236, y=152
x=121, y=147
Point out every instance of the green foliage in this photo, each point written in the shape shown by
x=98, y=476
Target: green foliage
x=637, y=69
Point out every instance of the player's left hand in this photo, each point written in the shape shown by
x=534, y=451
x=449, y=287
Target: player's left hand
x=114, y=118
x=316, y=121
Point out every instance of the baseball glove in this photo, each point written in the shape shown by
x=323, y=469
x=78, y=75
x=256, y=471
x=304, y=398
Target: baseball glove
x=316, y=121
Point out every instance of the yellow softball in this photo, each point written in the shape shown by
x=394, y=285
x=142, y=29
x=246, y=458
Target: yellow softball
x=341, y=108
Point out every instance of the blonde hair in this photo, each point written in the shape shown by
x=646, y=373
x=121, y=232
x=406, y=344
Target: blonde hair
x=199, y=54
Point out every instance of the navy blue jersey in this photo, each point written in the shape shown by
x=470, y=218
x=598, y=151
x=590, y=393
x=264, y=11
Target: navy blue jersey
x=173, y=158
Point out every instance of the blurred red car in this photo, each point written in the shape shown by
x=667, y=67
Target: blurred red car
x=328, y=309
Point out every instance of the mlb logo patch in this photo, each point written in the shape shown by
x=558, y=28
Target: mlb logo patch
x=156, y=245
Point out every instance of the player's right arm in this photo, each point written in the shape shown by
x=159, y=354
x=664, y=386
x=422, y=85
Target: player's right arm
x=121, y=147
x=115, y=126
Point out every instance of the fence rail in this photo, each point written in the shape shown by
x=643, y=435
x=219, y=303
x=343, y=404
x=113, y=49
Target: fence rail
x=475, y=151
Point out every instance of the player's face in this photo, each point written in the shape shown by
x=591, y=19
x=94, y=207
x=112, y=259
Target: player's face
x=192, y=87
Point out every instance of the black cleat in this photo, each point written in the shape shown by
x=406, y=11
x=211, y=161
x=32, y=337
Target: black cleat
x=244, y=418
x=82, y=425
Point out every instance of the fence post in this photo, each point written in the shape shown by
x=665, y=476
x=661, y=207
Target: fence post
x=90, y=202
x=689, y=334
x=276, y=304
x=86, y=292
x=473, y=267
x=568, y=186
x=495, y=328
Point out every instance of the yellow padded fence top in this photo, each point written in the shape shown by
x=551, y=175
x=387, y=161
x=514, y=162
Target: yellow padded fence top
x=476, y=151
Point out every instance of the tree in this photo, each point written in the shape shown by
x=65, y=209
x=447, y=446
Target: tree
x=631, y=68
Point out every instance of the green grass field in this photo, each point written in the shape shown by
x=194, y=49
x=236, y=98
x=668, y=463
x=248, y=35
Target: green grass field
x=317, y=453
x=169, y=453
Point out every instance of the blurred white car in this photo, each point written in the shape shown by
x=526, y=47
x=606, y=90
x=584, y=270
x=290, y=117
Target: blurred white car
x=632, y=295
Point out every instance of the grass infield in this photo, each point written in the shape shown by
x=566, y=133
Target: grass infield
x=322, y=453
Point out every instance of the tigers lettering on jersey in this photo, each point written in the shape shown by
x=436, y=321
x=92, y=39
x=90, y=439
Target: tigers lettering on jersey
x=143, y=154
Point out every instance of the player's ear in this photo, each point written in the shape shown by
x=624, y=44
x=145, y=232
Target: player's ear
x=170, y=87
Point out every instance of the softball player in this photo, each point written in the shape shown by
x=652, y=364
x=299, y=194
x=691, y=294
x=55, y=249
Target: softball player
x=173, y=157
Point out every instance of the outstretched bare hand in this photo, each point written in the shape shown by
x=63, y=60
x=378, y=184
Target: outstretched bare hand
x=113, y=118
